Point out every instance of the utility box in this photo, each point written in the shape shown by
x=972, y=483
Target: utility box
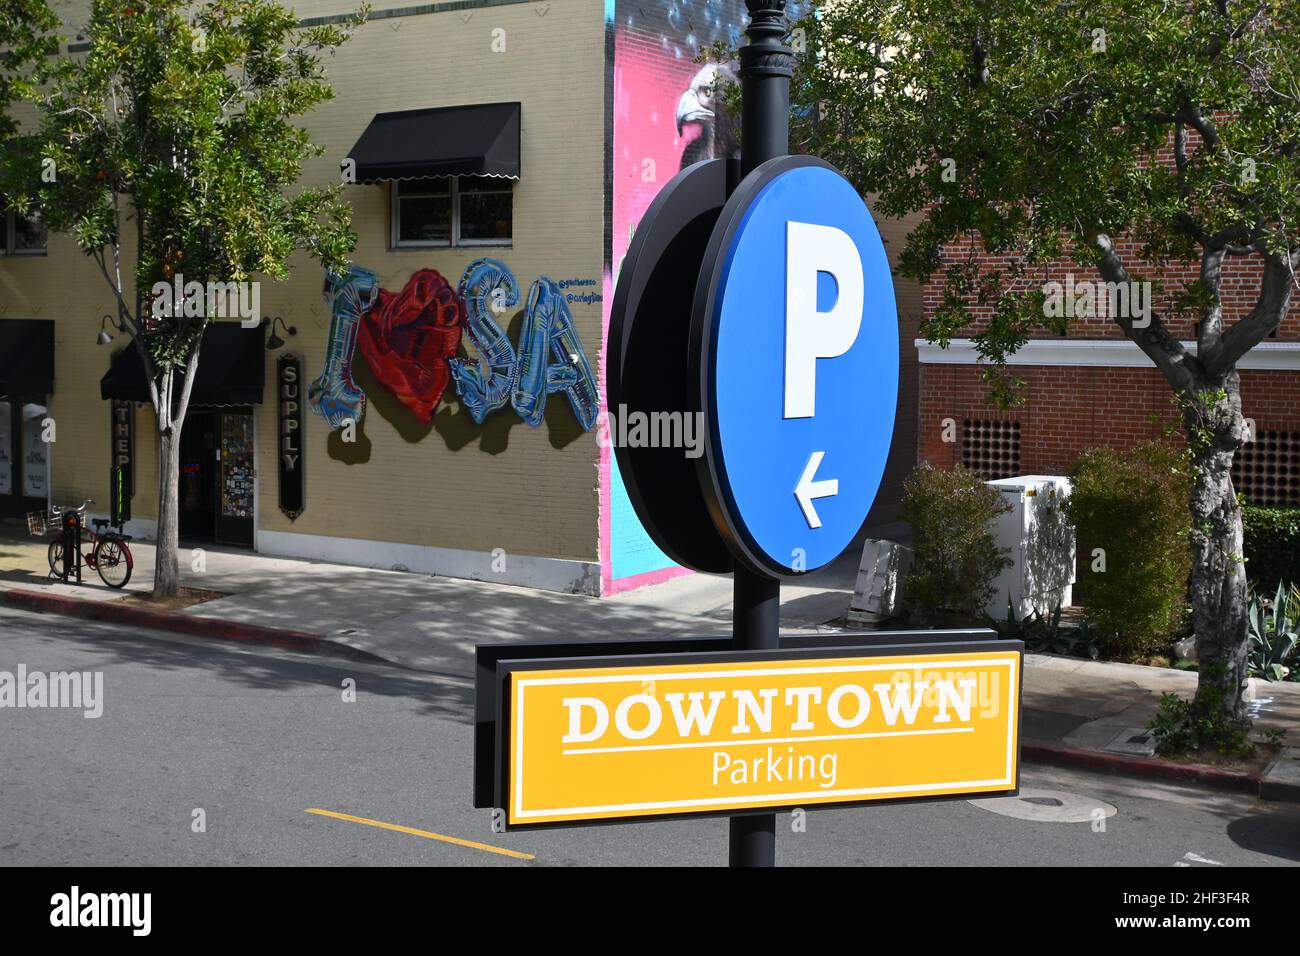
x=879, y=591
x=1040, y=543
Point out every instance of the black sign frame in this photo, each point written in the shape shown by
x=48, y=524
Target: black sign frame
x=289, y=435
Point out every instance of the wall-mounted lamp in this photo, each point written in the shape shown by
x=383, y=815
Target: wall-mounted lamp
x=104, y=338
x=275, y=342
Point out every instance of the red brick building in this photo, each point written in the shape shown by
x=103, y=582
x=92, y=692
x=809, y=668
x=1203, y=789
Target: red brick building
x=1094, y=387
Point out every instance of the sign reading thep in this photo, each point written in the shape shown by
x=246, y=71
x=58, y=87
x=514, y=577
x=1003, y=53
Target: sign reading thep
x=811, y=334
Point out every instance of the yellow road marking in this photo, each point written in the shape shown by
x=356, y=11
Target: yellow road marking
x=423, y=833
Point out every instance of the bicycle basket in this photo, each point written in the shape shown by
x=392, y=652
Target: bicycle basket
x=41, y=523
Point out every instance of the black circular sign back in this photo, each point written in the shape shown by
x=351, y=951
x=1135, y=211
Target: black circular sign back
x=646, y=376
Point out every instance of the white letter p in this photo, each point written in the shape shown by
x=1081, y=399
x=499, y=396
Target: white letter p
x=809, y=334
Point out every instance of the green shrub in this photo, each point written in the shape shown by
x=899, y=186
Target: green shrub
x=1272, y=545
x=1132, y=504
x=1198, y=725
x=956, y=557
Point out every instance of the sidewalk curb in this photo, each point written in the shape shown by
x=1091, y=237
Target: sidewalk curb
x=210, y=627
x=1213, y=778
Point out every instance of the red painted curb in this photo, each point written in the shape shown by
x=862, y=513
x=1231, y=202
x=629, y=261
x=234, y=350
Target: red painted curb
x=117, y=613
x=1216, y=778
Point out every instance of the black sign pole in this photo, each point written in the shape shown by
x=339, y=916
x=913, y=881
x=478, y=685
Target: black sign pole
x=766, y=65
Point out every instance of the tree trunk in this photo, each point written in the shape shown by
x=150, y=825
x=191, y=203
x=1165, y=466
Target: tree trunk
x=170, y=409
x=1216, y=430
x=166, y=577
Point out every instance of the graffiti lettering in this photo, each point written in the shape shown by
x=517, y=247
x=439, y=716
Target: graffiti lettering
x=410, y=340
x=549, y=359
x=484, y=385
x=333, y=395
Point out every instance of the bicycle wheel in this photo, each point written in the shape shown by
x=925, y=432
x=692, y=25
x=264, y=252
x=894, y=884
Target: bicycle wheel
x=113, y=561
x=56, y=556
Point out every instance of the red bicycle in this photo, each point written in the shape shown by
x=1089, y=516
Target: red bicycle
x=108, y=552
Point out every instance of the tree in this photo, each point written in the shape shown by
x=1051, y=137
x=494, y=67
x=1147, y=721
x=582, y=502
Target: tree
x=24, y=26
x=1050, y=130
x=180, y=118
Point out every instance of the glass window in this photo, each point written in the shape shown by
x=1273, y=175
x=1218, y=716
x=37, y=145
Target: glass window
x=485, y=209
x=465, y=210
x=36, y=460
x=423, y=212
x=30, y=234
x=22, y=233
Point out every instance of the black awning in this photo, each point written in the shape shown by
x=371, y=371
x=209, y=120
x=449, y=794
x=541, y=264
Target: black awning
x=26, y=357
x=232, y=369
x=448, y=141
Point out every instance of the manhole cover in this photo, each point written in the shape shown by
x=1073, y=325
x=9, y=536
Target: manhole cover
x=1048, y=806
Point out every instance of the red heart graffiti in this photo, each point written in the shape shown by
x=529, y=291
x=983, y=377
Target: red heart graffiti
x=407, y=337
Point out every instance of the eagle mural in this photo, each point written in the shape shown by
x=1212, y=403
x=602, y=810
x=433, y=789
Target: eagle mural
x=700, y=110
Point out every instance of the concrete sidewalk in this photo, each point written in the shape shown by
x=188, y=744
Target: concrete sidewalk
x=422, y=622
x=432, y=624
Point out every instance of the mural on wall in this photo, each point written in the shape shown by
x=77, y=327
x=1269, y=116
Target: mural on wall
x=484, y=384
x=551, y=359
x=410, y=342
x=710, y=131
x=408, y=337
x=667, y=115
x=334, y=395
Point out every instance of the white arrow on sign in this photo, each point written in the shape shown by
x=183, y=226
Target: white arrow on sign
x=808, y=489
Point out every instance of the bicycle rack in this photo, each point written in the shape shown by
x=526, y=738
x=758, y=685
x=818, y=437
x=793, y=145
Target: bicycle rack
x=71, y=526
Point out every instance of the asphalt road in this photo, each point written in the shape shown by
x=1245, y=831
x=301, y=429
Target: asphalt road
x=255, y=738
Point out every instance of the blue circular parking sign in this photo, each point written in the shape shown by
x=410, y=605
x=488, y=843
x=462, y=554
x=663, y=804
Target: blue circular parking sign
x=795, y=335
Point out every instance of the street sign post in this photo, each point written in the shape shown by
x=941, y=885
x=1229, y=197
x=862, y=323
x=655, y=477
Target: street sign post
x=755, y=296
x=766, y=65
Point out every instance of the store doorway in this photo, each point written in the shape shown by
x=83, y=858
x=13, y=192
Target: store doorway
x=217, y=475
x=198, y=481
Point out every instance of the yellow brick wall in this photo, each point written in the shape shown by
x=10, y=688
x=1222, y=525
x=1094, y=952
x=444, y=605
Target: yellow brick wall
x=455, y=485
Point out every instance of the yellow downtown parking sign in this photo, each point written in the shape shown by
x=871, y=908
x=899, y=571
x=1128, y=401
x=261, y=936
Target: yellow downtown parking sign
x=663, y=739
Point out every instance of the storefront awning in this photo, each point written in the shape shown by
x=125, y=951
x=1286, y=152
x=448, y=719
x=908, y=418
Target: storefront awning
x=232, y=369
x=449, y=141
x=26, y=357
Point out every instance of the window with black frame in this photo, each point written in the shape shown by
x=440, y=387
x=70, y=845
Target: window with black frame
x=22, y=232
x=453, y=211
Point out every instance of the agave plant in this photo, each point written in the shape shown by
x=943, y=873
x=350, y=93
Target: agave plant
x=1274, y=634
x=1045, y=633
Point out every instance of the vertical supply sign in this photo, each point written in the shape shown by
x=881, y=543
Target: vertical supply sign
x=796, y=335
x=663, y=737
x=293, y=484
